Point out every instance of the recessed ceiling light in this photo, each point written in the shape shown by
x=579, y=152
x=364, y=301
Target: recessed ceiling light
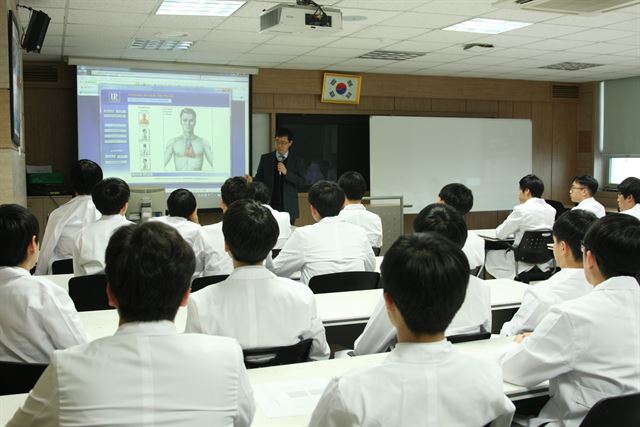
x=199, y=7
x=570, y=66
x=154, y=44
x=353, y=18
x=170, y=34
x=391, y=55
x=487, y=26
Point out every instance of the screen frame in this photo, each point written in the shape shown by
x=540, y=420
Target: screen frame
x=15, y=68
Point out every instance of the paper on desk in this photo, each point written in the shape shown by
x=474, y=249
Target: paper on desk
x=289, y=398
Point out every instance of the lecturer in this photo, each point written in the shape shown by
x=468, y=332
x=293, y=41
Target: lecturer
x=283, y=173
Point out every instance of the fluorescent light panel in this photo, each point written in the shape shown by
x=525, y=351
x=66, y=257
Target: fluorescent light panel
x=487, y=26
x=199, y=7
x=156, y=44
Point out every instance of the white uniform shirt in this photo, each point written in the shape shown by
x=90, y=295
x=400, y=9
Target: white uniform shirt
x=379, y=334
x=249, y=306
x=588, y=348
x=63, y=227
x=369, y=221
x=36, y=317
x=219, y=261
x=146, y=374
x=634, y=211
x=474, y=250
x=91, y=244
x=591, y=205
x=191, y=233
x=284, y=225
x=329, y=246
x=565, y=285
x=429, y=384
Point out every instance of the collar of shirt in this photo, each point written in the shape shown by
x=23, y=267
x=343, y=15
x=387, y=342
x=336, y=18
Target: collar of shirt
x=281, y=157
x=534, y=201
x=159, y=327
x=329, y=219
x=7, y=273
x=421, y=353
x=618, y=283
x=356, y=207
x=115, y=218
x=587, y=201
x=251, y=271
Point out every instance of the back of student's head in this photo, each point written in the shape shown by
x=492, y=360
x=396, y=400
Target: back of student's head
x=250, y=231
x=327, y=197
x=236, y=188
x=85, y=174
x=149, y=269
x=533, y=184
x=262, y=193
x=614, y=240
x=458, y=196
x=571, y=226
x=444, y=220
x=182, y=203
x=426, y=276
x=630, y=187
x=353, y=184
x=110, y=195
x=17, y=228
x=587, y=181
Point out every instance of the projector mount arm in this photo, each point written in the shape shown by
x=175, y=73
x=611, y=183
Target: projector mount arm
x=320, y=13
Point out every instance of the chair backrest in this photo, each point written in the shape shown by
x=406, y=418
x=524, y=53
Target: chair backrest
x=275, y=252
x=558, y=206
x=376, y=251
x=619, y=411
x=203, y=282
x=18, y=377
x=482, y=335
x=263, y=357
x=345, y=281
x=533, y=247
x=89, y=292
x=62, y=266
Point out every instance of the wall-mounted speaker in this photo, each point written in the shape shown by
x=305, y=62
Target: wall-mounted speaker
x=37, y=29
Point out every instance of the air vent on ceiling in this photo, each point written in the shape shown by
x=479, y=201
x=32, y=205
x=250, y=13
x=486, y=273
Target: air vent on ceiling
x=391, y=55
x=574, y=7
x=570, y=66
x=565, y=91
x=40, y=73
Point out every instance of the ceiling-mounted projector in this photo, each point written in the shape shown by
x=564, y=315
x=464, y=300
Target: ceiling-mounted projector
x=296, y=18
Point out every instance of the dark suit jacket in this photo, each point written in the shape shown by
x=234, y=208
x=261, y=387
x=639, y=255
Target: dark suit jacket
x=293, y=180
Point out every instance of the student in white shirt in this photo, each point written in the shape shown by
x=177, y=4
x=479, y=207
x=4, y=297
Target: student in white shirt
x=329, y=246
x=533, y=213
x=65, y=222
x=354, y=187
x=263, y=195
x=583, y=188
x=36, y=315
x=567, y=284
x=588, y=347
x=111, y=198
x=146, y=373
x=424, y=380
x=473, y=316
x=629, y=197
x=250, y=303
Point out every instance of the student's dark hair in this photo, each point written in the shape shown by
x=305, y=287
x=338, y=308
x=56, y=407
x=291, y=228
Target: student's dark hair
x=571, y=226
x=426, y=276
x=85, y=174
x=236, y=188
x=353, y=184
x=110, y=195
x=630, y=187
x=262, y=193
x=17, y=227
x=533, y=184
x=587, y=181
x=444, y=220
x=284, y=132
x=149, y=269
x=327, y=197
x=615, y=242
x=250, y=230
x=457, y=196
x=181, y=202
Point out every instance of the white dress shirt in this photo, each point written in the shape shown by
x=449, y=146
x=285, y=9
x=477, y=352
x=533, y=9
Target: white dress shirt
x=219, y=262
x=192, y=234
x=249, y=306
x=328, y=246
x=63, y=227
x=634, y=211
x=565, y=285
x=588, y=348
x=379, y=334
x=429, y=384
x=144, y=375
x=591, y=205
x=91, y=244
x=371, y=223
x=36, y=317
x=474, y=250
x=284, y=225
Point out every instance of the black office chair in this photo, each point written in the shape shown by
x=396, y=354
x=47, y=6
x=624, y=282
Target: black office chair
x=482, y=335
x=203, y=282
x=558, y=206
x=345, y=281
x=275, y=252
x=18, y=377
x=89, y=292
x=619, y=411
x=274, y=356
x=62, y=266
x=533, y=249
x=376, y=251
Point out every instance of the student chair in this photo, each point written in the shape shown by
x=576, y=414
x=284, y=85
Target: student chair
x=18, y=377
x=344, y=281
x=376, y=251
x=89, y=293
x=619, y=411
x=62, y=266
x=275, y=252
x=533, y=250
x=558, y=206
x=203, y=282
x=274, y=356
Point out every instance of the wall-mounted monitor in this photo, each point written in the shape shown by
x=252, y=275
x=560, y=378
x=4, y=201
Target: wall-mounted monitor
x=621, y=167
x=146, y=202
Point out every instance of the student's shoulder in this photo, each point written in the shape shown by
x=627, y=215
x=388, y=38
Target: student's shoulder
x=208, y=344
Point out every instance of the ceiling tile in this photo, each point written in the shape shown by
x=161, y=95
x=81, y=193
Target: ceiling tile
x=631, y=25
x=599, y=20
x=240, y=24
x=457, y=7
x=424, y=20
x=357, y=43
x=184, y=22
x=546, y=30
x=274, y=49
x=90, y=17
x=602, y=48
x=252, y=9
x=521, y=15
x=440, y=36
x=315, y=60
x=39, y=4
x=520, y=52
x=506, y=41
x=99, y=31
x=159, y=33
x=416, y=46
x=598, y=35
x=338, y=52
x=213, y=46
x=93, y=52
x=137, y=6
x=395, y=33
x=557, y=44
x=295, y=40
x=395, y=5
x=231, y=36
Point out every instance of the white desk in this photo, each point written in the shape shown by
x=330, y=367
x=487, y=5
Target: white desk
x=61, y=280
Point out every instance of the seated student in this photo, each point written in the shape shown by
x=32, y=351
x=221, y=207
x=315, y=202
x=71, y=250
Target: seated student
x=629, y=196
x=111, y=198
x=583, y=188
x=249, y=305
x=425, y=380
x=263, y=195
x=354, y=187
x=461, y=198
x=329, y=246
x=533, y=213
x=567, y=284
x=36, y=315
x=65, y=222
x=473, y=316
x=588, y=347
x=146, y=373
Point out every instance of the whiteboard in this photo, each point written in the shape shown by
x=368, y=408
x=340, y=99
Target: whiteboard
x=416, y=156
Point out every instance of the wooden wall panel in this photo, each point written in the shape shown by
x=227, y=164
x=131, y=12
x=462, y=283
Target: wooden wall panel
x=413, y=104
x=448, y=105
x=294, y=102
x=505, y=109
x=542, y=120
x=565, y=141
x=262, y=101
x=488, y=107
x=376, y=103
x=521, y=110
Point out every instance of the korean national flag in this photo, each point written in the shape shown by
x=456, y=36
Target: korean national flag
x=341, y=89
